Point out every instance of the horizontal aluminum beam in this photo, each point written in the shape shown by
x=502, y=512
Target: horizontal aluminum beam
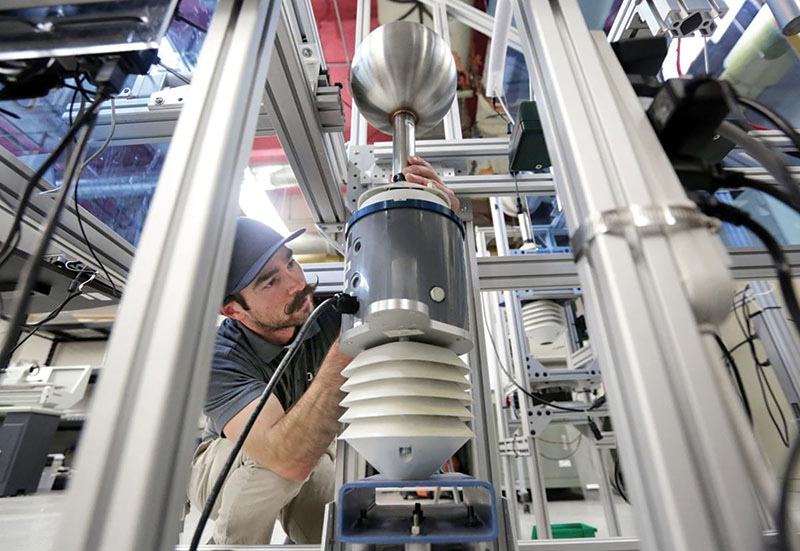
x=476, y=19
x=435, y=150
x=139, y=121
x=328, y=275
x=494, y=185
x=557, y=271
x=544, y=272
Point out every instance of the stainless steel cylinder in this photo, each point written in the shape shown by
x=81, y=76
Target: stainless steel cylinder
x=403, y=140
x=787, y=14
x=410, y=251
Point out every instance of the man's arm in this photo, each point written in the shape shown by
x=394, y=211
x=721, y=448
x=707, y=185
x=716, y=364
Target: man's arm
x=290, y=443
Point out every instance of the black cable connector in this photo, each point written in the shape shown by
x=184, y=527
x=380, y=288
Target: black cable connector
x=345, y=304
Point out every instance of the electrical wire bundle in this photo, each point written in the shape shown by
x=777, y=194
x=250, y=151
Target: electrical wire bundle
x=763, y=382
x=74, y=290
x=82, y=128
x=710, y=178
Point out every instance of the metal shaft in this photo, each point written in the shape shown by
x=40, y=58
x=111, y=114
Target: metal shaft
x=787, y=14
x=403, y=140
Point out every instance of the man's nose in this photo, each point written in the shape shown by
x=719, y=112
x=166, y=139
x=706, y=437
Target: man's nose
x=298, y=283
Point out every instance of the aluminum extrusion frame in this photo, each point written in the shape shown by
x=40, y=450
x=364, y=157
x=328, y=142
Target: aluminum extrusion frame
x=131, y=483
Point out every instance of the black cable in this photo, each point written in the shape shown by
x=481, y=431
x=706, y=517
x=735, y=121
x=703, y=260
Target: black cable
x=406, y=14
x=13, y=234
x=763, y=381
x=781, y=428
x=30, y=270
x=88, y=242
x=731, y=214
x=273, y=380
x=619, y=482
x=739, y=345
x=52, y=315
x=736, y=375
x=533, y=397
x=766, y=157
x=728, y=213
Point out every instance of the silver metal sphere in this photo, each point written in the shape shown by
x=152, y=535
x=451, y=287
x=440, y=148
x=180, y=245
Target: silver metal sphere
x=403, y=66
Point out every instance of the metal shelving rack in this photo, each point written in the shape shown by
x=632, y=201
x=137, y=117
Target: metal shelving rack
x=673, y=420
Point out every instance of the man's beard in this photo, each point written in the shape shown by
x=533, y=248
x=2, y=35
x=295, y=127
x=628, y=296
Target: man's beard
x=295, y=313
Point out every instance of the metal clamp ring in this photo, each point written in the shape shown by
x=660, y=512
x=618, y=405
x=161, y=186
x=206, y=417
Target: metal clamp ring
x=647, y=220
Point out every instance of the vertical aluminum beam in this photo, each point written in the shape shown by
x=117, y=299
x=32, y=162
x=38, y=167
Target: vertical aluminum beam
x=291, y=105
x=135, y=454
x=486, y=459
x=533, y=462
x=495, y=331
x=452, y=120
x=606, y=497
x=358, y=124
x=643, y=293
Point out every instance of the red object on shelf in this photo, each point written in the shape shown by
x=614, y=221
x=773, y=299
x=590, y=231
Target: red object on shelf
x=268, y=150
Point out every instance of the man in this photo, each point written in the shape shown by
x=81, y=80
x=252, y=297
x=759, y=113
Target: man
x=285, y=470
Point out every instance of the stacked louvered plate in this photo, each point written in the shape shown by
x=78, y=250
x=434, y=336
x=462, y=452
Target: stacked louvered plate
x=544, y=321
x=406, y=407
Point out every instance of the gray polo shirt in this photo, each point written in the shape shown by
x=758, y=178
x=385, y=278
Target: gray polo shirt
x=243, y=363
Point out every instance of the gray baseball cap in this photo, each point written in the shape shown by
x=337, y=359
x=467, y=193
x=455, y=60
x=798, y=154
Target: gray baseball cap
x=254, y=245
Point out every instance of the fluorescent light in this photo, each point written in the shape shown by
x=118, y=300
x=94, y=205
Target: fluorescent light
x=255, y=203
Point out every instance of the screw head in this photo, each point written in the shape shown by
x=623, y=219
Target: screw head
x=437, y=294
x=307, y=52
x=159, y=100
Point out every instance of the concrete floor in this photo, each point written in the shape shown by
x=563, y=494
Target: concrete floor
x=31, y=523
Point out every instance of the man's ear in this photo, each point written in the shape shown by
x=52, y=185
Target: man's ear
x=228, y=310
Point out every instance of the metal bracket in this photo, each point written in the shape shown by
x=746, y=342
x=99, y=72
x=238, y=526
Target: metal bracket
x=541, y=377
x=639, y=219
x=170, y=98
x=333, y=234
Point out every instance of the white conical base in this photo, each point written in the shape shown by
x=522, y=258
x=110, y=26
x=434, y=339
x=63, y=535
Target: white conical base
x=406, y=407
x=407, y=447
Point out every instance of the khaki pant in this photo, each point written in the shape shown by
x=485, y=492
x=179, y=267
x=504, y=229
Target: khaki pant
x=253, y=497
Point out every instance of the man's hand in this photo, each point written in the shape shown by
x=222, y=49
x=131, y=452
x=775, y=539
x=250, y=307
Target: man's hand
x=419, y=171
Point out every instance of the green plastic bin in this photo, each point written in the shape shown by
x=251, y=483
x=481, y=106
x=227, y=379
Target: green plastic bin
x=570, y=531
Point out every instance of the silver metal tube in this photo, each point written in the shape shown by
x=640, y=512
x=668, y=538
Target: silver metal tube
x=358, y=124
x=134, y=460
x=496, y=331
x=486, y=461
x=639, y=294
x=787, y=14
x=514, y=315
x=403, y=140
x=606, y=497
x=525, y=226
